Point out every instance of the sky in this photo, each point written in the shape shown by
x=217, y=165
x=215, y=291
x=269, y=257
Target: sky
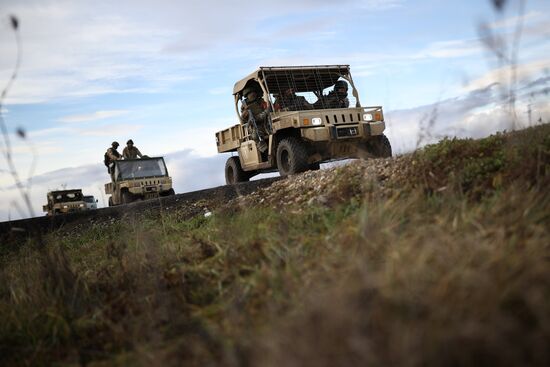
x=162, y=72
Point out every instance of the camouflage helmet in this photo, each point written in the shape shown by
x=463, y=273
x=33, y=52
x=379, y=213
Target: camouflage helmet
x=248, y=90
x=340, y=84
x=252, y=87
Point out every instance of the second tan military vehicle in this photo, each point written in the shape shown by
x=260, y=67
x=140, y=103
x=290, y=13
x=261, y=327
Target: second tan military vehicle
x=307, y=122
x=64, y=201
x=139, y=179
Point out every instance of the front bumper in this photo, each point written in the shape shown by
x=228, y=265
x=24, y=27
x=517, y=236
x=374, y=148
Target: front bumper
x=150, y=189
x=363, y=130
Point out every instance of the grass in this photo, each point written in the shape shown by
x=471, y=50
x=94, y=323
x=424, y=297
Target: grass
x=415, y=275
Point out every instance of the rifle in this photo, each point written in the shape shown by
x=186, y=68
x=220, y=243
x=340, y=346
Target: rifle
x=252, y=120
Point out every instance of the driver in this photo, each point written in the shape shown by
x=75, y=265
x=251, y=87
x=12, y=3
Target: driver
x=337, y=98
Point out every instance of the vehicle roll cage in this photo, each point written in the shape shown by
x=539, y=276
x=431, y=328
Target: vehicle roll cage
x=314, y=79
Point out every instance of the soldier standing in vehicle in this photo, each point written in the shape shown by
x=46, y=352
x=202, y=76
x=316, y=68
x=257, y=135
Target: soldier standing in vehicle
x=337, y=98
x=258, y=108
x=111, y=156
x=131, y=152
x=289, y=101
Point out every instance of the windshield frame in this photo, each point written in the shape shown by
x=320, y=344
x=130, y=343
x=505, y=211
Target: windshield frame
x=64, y=198
x=158, y=160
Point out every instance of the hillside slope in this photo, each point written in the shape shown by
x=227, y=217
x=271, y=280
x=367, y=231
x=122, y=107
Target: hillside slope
x=436, y=258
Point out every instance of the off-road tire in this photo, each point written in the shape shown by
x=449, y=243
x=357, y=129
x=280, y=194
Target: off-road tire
x=291, y=156
x=234, y=172
x=380, y=147
x=127, y=197
x=315, y=166
x=171, y=192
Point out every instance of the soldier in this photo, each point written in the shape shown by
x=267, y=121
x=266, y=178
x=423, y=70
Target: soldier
x=111, y=156
x=131, y=152
x=337, y=98
x=289, y=101
x=259, y=111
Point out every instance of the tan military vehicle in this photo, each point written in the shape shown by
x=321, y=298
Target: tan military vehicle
x=311, y=119
x=139, y=179
x=64, y=201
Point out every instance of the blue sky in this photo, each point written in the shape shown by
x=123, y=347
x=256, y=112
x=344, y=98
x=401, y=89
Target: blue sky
x=162, y=72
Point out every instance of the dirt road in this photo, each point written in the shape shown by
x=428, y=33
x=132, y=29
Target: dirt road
x=189, y=204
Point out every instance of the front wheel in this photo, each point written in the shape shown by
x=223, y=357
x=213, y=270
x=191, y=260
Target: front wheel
x=291, y=156
x=127, y=197
x=234, y=172
x=380, y=147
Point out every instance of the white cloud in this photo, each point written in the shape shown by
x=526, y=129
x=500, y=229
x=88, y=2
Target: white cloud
x=502, y=75
x=450, y=49
x=382, y=4
x=510, y=22
x=476, y=114
x=51, y=132
x=200, y=140
x=67, y=52
x=98, y=115
x=111, y=130
x=74, y=49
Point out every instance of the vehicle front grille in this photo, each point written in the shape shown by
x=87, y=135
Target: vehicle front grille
x=150, y=182
x=73, y=208
x=342, y=118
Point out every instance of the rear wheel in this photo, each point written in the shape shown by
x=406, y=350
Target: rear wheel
x=127, y=197
x=315, y=166
x=234, y=172
x=291, y=156
x=380, y=147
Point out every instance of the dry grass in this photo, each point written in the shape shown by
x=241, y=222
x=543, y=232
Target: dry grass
x=387, y=271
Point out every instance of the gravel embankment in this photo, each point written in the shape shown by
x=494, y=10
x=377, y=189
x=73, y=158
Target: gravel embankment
x=326, y=186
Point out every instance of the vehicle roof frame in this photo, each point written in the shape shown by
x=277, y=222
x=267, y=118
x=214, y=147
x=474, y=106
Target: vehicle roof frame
x=259, y=76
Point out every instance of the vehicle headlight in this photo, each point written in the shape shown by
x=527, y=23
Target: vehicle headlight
x=316, y=121
x=65, y=206
x=81, y=205
x=367, y=117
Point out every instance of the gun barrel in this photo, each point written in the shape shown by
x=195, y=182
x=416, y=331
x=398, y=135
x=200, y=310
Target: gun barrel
x=252, y=120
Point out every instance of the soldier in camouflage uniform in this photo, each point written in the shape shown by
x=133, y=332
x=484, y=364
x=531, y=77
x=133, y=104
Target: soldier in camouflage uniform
x=257, y=106
x=112, y=155
x=289, y=101
x=131, y=152
x=337, y=98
